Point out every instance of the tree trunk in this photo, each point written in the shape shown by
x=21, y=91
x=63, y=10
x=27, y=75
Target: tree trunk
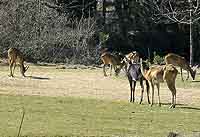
x=191, y=43
x=104, y=12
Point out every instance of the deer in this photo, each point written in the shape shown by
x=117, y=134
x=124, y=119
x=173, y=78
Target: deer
x=112, y=60
x=16, y=56
x=181, y=62
x=134, y=74
x=158, y=74
x=133, y=56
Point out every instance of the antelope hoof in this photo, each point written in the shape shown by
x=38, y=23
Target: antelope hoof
x=132, y=101
x=172, y=106
x=11, y=75
x=151, y=105
x=159, y=105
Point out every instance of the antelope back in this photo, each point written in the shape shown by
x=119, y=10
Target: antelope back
x=177, y=60
x=109, y=58
x=170, y=72
x=15, y=55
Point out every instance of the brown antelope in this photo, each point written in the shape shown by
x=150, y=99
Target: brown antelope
x=15, y=56
x=157, y=74
x=133, y=56
x=112, y=60
x=181, y=62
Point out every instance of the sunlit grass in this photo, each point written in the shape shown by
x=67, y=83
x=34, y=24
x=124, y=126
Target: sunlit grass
x=48, y=116
x=74, y=116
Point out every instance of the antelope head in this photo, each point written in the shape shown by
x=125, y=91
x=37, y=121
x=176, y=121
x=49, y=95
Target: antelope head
x=126, y=63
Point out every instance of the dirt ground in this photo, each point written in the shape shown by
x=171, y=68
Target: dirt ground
x=89, y=83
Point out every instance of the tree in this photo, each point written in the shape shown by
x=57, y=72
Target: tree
x=78, y=8
x=179, y=11
x=44, y=34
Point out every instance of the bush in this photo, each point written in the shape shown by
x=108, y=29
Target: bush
x=45, y=35
x=158, y=59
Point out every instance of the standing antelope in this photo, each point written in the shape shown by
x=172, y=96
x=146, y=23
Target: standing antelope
x=133, y=56
x=157, y=74
x=15, y=56
x=134, y=74
x=181, y=62
x=113, y=61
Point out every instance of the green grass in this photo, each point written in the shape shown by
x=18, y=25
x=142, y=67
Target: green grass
x=67, y=116
x=189, y=83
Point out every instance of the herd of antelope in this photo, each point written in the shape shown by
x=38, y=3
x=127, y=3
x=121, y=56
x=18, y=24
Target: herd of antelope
x=136, y=70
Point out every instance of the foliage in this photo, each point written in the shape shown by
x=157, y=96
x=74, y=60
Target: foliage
x=103, y=36
x=44, y=34
x=68, y=30
x=77, y=8
x=158, y=33
x=158, y=59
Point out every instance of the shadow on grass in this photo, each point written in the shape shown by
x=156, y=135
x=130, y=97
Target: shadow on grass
x=183, y=106
x=168, y=104
x=190, y=108
x=195, y=81
x=36, y=77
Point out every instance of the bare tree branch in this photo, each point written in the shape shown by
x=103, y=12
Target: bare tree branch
x=171, y=10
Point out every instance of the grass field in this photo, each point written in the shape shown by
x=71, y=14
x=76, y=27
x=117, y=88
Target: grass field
x=81, y=102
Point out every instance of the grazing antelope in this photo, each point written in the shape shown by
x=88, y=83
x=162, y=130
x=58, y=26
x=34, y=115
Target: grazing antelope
x=134, y=74
x=157, y=74
x=15, y=56
x=181, y=62
x=112, y=60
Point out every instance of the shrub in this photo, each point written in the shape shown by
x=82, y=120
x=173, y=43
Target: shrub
x=157, y=59
x=45, y=35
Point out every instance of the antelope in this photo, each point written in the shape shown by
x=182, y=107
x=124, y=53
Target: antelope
x=133, y=56
x=157, y=74
x=134, y=74
x=181, y=62
x=15, y=56
x=112, y=60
